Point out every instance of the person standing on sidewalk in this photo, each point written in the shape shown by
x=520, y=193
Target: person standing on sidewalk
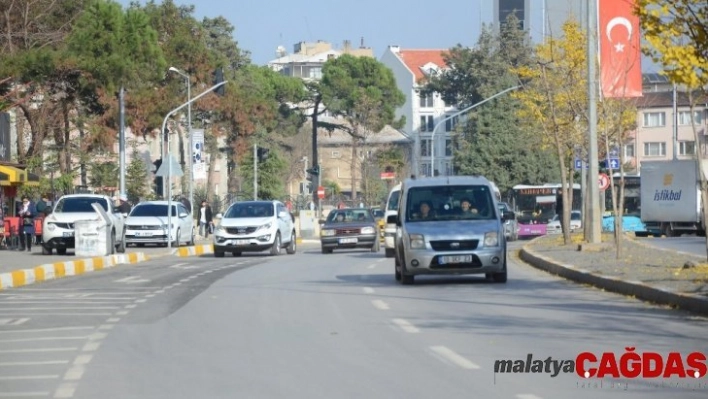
x=205, y=219
x=26, y=213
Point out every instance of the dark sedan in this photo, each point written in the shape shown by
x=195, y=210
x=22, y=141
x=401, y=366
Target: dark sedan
x=349, y=228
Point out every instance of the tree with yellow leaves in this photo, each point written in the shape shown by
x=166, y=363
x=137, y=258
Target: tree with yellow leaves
x=554, y=99
x=677, y=37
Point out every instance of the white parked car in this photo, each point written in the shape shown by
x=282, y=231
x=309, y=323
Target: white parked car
x=576, y=223
x=147, y=224
x=254, y=226
x=58, y=227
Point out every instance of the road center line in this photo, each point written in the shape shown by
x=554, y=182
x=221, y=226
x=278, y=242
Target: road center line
x=65, y=390
x=406, y=326
x=527, y=396
x=368, y=290
x=379, y=304
x=39, y=350
x=453, y=357
x=34, y=394
x=91, y=346
x=29, y=377
x=36, y=363
x=74, y=373
x=41, y=330
x=41, y=339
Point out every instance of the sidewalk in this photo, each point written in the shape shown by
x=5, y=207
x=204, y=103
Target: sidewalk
x=644, y=271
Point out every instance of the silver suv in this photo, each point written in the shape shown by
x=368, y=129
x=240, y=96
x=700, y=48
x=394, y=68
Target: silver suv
x=449, y=225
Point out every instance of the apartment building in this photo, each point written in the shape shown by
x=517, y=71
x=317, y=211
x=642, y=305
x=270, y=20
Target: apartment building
x=307, y=58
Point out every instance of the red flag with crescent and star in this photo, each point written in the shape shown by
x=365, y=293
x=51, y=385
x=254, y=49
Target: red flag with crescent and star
x=620, y=51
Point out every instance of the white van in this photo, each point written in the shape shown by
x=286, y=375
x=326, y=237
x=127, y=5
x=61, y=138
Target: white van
x=390, y=229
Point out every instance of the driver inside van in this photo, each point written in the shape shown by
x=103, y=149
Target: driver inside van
x=424, y=211
x=466, y=208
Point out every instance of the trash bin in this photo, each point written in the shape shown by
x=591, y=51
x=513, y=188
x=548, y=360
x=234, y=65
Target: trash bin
x=92, y=238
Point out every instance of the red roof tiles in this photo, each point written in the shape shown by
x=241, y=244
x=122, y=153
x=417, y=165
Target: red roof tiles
x=415, y=59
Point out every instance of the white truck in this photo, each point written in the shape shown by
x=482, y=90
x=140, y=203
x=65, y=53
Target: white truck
x=670, y=198
x=58, y=228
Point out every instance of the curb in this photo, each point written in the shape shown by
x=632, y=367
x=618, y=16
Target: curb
x=51, y=271
x=647, y=245
x=195, y=250
x=632, y=288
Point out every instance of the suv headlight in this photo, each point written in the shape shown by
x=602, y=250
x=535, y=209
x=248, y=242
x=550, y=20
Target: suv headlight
x=417, y=241
x=368, y=230
x=328, y=232
x=266, y=226
x=491, y=239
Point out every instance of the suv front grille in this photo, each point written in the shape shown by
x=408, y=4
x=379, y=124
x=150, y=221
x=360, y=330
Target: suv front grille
x=344, y=232
x=240, y=230
x=143, y=227
x=454, y=245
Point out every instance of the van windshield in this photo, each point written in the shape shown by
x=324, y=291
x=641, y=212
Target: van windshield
x=393, y=201
x=450, y=203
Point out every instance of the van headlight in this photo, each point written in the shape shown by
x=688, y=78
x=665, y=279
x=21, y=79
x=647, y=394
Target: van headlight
x=417, y=241
x=491, y=239
x=328, y=232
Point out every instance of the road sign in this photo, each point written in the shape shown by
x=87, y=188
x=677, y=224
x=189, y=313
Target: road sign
x=320, y=192
x=604, y=181
x=388, y=175
x=176, y=168
x=579, y=164
x=613, y=163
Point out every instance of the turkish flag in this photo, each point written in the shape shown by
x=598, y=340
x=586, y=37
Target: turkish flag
x=620, y=52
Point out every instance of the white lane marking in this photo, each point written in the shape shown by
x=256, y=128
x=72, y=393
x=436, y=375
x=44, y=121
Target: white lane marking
x=91, y=346
x=160, y=291
x=65, y=390
x=150, y=296
x=82, y=360
x=39, y=350
x=368, y=290
x=527, y=396
x=3, y=341
x=131, y=306
x=371, y=266
x=75, y=373
x=30, y=377
x=406, y=326
x=97, y=336
x=36, y=363
x=13, y=322
x=113, y=320
x=54, y=329
x=183, y=266
x=61, y=314
x=379, y=304
x=35, y=394
x=69, y=302
x=448, y=354
x=381, y=260
x=131, y=280
x=61, y=308
x=122, y=313
x=140, y=300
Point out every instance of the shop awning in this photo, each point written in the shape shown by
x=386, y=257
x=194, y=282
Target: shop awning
x=32, y=179
x=15, y=175
x=4, y=179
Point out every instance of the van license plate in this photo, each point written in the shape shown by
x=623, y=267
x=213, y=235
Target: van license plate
x=445, y=260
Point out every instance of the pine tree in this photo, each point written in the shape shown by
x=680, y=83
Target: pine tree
x=136, y=179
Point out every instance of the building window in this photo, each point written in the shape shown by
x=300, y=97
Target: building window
x=427, y=123
x=684, y=118
x=426, y=101
x=425, y=147
x=451, y=123
x=515, y=7
x=336, y=154
x=449, y=169
x=425, y=169
x=316, y=73
x=687, y=148
x=654, y=149
x=629, y=151
x=654, y=119
x=448, y=147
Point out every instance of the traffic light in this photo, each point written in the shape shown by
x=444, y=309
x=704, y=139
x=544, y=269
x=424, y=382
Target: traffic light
x=262, y=154
x=158, y=180
x=315, y=171
x=218, y=78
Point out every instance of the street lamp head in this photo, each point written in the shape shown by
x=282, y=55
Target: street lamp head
x=173, y=69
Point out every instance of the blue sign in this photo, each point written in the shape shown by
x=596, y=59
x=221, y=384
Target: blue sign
x=579, y=164
x=613, y=163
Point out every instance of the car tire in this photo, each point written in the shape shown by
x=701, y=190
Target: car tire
x=396, y=272
x=390, y=252
x=500, y=277
x=275, y=249
x=218, y=254
x=113, y=242
x=47, y=250
x=292, y=245
x=61, y=251
x=191, y=239
x=327, y=250
x=121, y=246
x=406, y=279
x=236, y=253
x=175, y=243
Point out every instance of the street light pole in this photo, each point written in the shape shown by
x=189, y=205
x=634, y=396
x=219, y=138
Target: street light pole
x=169, y=164
x=595, y=230
x=189, y=133
x=435, y=129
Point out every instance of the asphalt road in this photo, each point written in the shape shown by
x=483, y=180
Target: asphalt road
x=690, y=244
x=321, y=326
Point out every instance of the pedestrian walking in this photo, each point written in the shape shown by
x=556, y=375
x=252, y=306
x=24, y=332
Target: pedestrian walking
x=205, y=219
x=27, y=213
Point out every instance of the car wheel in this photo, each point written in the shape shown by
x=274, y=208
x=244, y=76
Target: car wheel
x=191, y=238
x=236, y=253
x=61, y=251
x=175, y=243
x=113, y=242
x=501, y=276
x=121, y=246
x=47, y=250
x=327, y=250
x=218, y=254
x=396, y=272
x=275, y=249
x=390, y=252
x=406, y=279
x=292, y=245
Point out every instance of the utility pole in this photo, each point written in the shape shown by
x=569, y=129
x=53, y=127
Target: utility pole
x=121, y=138
x=594, y=232
x=255, y=172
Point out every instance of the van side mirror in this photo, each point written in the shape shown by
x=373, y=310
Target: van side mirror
x=392, y=219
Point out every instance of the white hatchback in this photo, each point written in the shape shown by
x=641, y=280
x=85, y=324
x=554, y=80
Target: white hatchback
x=254, y=226
x=576, y=223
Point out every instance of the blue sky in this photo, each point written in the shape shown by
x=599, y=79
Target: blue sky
x=261, y=26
